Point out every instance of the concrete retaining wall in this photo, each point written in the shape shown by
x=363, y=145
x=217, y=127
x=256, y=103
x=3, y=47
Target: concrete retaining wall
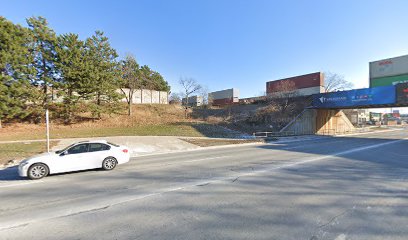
x=331, y=122
x=303, y=124
x=319, y=121
x=146, y=96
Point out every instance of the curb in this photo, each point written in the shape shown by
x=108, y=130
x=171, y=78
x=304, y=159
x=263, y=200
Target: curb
x=172, y=151
x=363, y=133
x=200, y=148
x=74, y=139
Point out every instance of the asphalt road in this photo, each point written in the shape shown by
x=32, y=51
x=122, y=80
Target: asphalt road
x=352, y=187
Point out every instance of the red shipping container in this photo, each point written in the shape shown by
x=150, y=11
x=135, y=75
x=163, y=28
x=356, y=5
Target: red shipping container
x=303, y=81
x=224, y=101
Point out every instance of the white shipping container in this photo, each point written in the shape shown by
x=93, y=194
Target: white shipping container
x=223, y=94
x=146, y=96
x=193, y=101
x=389, y=67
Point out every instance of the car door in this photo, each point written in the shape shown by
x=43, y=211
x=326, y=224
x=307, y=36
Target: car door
x=97, y=153
x=73, y=158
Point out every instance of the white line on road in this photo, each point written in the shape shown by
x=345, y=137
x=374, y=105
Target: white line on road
x=328, y=156
x=27, y=182
x=125, y=199
x=199, y=160
x=180, y=162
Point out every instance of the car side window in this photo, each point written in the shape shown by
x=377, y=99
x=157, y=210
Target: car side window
x=95, y=147
x=80, y=148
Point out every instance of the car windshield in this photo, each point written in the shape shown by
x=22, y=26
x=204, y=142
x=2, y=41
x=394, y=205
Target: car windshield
x=63, y=150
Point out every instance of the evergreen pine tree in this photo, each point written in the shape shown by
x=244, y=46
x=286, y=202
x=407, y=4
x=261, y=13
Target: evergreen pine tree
x=43, y=45
x=17, y=96
x=104, y=78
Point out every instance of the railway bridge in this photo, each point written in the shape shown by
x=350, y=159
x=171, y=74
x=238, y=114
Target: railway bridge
x=325, y=115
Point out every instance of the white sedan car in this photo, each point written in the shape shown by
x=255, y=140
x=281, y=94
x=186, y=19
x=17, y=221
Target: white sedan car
x=78, y=156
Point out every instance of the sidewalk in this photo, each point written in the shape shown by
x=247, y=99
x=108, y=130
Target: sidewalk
x=138, y=145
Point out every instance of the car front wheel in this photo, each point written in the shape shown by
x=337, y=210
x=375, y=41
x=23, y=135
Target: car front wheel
x=109, y=163
x=37, y=171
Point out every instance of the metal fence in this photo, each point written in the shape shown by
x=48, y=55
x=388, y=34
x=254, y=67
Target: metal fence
x=272, y=134
x=324, y=132
x=333, y=132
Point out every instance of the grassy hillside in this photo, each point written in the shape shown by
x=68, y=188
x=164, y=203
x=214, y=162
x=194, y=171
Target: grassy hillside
x=253, y=117
x=153, y=120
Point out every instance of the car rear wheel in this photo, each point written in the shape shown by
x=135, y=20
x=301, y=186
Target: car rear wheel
x=109, y=163
x=37, y=171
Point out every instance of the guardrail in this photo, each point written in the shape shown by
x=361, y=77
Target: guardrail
x=333, y=132
x=272, y=134
x=324, y=132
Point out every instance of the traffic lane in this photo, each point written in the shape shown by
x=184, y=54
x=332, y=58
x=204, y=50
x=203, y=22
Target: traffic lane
x=339, y=198
x=134, y=170
x=51, y=201
x=125, y=181
x=10, y=174
x=82, y=202
x=74, y=184
x=339, y=144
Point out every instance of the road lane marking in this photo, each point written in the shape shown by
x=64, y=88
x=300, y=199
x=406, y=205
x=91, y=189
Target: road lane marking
x=27, y=182
x=178, y=162
x=203, y=159
x=201, y=183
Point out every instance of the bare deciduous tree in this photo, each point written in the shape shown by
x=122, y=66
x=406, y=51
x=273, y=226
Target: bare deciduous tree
x=190, y=85
x=175, y=98
x=335, y=82
x=283, y=97
x=203, y=92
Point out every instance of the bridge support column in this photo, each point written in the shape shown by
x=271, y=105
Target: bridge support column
x=332, y=122
x=319, y=121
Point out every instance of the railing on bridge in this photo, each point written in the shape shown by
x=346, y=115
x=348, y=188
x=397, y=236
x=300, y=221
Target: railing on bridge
x=324, y=132
x=333, y=132
x=273, y=134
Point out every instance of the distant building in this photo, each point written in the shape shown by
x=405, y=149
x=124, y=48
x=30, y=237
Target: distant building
x=375, y=117
x=391, y=119
x=193, y=101
x=358, y=116
x=303, y=85
x=396, y=114
x=224, y=97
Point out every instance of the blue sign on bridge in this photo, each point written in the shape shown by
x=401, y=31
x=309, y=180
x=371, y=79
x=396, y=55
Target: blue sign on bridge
x=366, y=97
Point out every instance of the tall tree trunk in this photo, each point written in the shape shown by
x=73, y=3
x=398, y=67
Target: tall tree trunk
x=186, y=111
x=98, y=102
x=69, y=108
x=130, y=101
x=0, y=124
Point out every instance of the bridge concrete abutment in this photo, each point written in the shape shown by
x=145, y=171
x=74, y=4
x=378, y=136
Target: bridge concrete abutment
x=319, y=121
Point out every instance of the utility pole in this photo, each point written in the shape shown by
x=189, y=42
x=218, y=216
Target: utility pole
x=47, y=129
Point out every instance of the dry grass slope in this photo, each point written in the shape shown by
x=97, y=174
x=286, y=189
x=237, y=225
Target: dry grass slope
x=147, y=120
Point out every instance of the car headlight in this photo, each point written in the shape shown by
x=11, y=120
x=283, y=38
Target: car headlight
x=24, y=164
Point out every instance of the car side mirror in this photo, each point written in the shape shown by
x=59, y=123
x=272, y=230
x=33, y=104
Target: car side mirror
x=63, y=154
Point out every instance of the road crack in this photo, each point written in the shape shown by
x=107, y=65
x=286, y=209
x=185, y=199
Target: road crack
x=203, y=184
x=86, y=211
x=334, y=218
